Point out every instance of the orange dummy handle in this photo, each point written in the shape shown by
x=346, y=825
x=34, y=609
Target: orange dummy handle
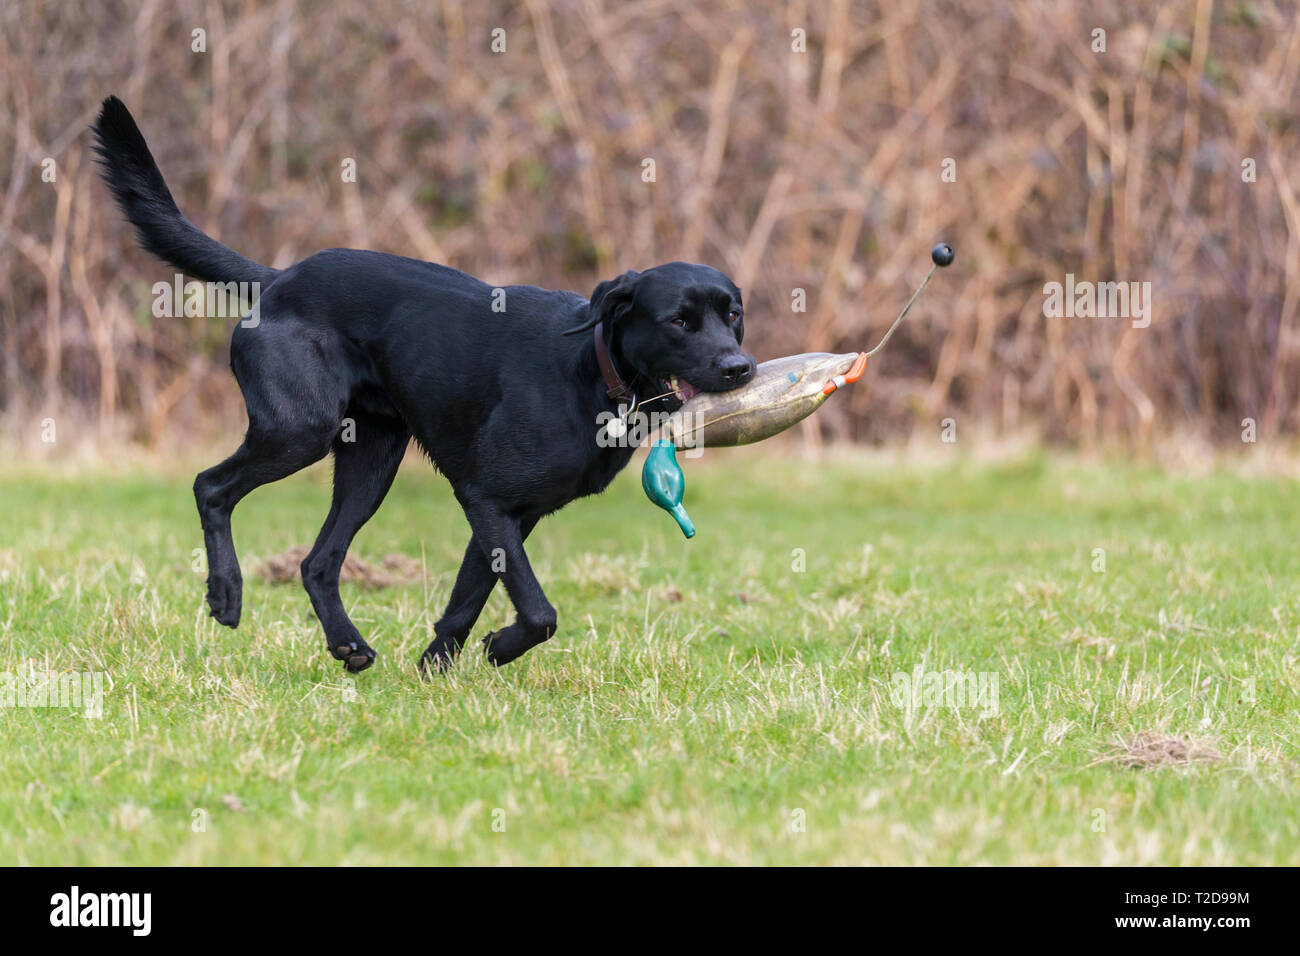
x=849, y=377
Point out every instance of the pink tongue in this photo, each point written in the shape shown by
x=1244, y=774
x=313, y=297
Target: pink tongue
x=686, y=388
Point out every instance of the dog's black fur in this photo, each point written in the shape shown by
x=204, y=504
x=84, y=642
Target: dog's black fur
x=504, y=403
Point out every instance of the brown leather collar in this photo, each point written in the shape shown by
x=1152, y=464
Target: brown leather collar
x=615, y=387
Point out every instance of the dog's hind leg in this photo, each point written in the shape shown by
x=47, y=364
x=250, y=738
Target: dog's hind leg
x=363, y=472
x=295, y=405
x=259, y=460
x=474, y=583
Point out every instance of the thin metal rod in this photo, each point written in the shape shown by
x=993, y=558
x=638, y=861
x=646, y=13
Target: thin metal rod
x=882, y=342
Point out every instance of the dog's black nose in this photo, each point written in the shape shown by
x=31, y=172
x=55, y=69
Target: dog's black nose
x=737, y=371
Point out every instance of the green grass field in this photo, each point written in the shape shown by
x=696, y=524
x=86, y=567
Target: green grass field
x=733, y=699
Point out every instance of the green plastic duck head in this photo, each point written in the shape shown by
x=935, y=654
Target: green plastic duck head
x=664, y=483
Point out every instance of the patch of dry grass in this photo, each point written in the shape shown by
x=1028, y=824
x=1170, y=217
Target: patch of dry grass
x=390, y=571
x=1150, y=751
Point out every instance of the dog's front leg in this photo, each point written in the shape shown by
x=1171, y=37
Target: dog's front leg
x=474, y=582
x=502, y=540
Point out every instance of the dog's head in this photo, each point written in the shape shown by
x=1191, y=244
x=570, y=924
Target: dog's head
x=674, y=329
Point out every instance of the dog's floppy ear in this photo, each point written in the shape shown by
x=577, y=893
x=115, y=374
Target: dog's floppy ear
x=612, y=298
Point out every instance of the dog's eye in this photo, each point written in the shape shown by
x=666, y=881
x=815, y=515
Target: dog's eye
x=733, y=315
x=678, y=321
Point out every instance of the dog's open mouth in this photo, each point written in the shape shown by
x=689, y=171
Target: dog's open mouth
x=681, y=389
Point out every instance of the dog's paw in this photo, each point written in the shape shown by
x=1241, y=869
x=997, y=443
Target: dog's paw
x=437, y=659
x=503, y=646
x=356, y=656
x=225, y=599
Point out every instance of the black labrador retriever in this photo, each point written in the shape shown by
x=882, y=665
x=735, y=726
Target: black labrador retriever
x=490, y=383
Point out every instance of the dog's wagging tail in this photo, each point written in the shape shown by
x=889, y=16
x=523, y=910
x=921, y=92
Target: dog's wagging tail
x=504, y=403
x=137, y=185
